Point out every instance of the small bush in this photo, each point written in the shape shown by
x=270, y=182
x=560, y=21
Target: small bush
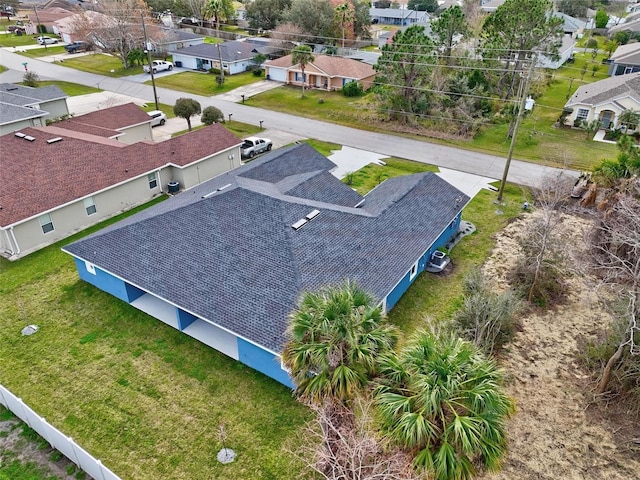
x=257, y=72
x=592, y=43
x=31, y=79
x=321, y=101
x=220, y=80
x=214, y=71
x=211, y=115
x=352, y=89
x=71, y=469
x=55, y=456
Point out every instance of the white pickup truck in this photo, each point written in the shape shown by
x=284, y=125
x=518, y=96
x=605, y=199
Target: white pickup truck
x=158, y=66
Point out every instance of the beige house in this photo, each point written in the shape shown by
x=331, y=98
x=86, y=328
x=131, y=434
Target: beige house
x=22, y=107
x=605, y=100
x=126, y=123
x=325, y=72
x=62, y=181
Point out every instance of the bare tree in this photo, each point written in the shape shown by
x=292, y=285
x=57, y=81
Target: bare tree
x=116, y=26
x=541, y=251
x=616, y=249
x=339, y=445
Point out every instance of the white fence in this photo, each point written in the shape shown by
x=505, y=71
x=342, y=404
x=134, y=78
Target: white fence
x=56, y=438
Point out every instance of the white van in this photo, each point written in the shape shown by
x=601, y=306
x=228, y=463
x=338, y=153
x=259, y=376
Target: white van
x=157, y=117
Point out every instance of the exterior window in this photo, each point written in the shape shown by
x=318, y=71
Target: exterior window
x=89, y=206
x=583, y=113
x=91, y=268
x=414, y=271
x=46, y=223
x=628, y=70
x=153, y=181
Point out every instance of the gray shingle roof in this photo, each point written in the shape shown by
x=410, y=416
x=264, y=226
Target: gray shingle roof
x=18, y=102
x=607, y=90
x=232, y=51
x=233, y=258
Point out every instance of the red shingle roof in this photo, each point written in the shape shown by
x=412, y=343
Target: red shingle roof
x=38, y=176
x=113, y=118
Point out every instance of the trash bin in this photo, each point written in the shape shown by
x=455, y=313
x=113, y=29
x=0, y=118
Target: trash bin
x=178, y=64
x=173, y=187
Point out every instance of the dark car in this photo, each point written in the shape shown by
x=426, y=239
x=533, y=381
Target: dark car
x=75, y=47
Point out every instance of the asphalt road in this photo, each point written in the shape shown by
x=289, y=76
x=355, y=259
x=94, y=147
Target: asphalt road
x=389, y=145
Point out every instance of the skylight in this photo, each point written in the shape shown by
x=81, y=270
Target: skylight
x=299, y=224
x=54, y=140
x=312, y=214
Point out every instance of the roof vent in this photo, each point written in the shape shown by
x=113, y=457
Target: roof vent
x=20, y=134
x=298, y=225
x=29, y=138
x=312, y=214
x=359, y=204
x=224, y=186
x=54, y=140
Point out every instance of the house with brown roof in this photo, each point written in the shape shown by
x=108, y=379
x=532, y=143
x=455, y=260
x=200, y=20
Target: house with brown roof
x=325, y=72
x=126, y=123
x=58, y=181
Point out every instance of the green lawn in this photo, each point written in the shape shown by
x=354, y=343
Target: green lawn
x=13, y=40
x=144, y=398
x=101, y=64
x=44, y=52
x=200, y=83
x=372, y=175
x=213, y=40
x=238, y=128
x=71, y=89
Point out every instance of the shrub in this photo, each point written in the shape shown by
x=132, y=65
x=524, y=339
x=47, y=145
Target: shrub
x=485, y=318
x=215, y=71
x=211, y=115
x=31, y=79
x=257, y=72
x=352, y=89
x=592, y=43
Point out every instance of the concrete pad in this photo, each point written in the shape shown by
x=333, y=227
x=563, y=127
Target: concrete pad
x=467, y=183
x=352, y=159
x=248, y=91
x=98, y=101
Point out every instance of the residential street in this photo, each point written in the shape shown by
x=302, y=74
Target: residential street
x=388, y=145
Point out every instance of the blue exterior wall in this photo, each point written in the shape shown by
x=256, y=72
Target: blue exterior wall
x=405, y=283
x=108, y=283
x=185, y=319
x=263, y=361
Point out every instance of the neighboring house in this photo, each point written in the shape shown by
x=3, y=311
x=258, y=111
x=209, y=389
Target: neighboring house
x=66, y=27
x=22, y=107
x=565, y=52
x=629, y=24
x=325, y=72
x=60, y=181
x=633, y=8
x=171, y=39
x=398, y=16
x=227, y=262
x=571, y=26
x=49, y=17
x=126, y=123
x=626, y=59
x=385, y=37
x=236, y=56
x=605, y=100
x=491, y=6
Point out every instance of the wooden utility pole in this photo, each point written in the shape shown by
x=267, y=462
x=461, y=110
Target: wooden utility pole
x=523, y=100
x=147, y=51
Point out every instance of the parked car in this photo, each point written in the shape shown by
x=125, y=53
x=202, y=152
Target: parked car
x=157, y=117
x=252, y=146
x=158, y=66
x=44, y=40
x=79, y=46
x=16, y=29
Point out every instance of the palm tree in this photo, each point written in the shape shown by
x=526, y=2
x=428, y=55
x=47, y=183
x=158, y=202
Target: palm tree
x=302, y=55
x=336, y=336
x=344, y=15
x=442, y=400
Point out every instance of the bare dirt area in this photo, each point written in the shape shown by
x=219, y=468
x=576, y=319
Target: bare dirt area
x=558, y=431
x=15, y=446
